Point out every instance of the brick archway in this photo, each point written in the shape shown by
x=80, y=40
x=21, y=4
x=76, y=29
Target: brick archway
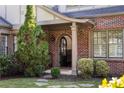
x=69, y=49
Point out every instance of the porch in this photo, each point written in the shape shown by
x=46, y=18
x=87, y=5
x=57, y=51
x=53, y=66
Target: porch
x=67, y=43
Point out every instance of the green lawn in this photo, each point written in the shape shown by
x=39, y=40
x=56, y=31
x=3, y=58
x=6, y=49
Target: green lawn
x=30, y=83
x=18, y=83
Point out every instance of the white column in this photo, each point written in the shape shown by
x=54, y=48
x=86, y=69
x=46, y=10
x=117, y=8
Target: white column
x=74, y=48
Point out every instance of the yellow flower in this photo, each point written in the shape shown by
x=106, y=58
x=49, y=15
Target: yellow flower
x=114, y=83
x=104, y=82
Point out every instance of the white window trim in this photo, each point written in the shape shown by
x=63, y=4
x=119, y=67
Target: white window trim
x=123, y=45
x=15, y=43
x=107, y=53
x=6, y=44
x=5, y=49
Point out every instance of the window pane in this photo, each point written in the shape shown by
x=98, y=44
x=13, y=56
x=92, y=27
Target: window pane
x=15, y=43
x=115, y=50
x=99, y=50
x=103, y=40
x=99, y=34
x=95, y=40
x=103, y=34
x=100, y=44
x=99, y=41
x=115, y=44
x=3, y=44
x=95, y=34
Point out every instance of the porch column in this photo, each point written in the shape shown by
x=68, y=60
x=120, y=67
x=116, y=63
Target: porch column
x=10, y=44
x=74, y=48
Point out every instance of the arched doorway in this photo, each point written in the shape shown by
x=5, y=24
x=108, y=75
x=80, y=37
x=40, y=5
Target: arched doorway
x=65, y=51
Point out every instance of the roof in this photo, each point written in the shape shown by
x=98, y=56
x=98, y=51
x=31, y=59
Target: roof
x=5, y=23
x=63, y=17
x=96, y=12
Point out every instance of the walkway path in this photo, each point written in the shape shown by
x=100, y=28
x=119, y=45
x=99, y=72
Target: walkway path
x=56, y=84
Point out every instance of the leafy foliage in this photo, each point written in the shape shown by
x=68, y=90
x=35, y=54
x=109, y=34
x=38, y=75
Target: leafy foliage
x=8, y=66
x=32, y=46
x=114, y=83
x=55, y=72
x=85, y=66
x=102, y=68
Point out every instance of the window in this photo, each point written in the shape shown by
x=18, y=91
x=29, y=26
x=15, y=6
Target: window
x=100, y=44
x=108, y=43
x=3, y=44
x=115, y=43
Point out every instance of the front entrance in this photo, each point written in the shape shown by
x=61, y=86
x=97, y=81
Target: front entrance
x=65, y=51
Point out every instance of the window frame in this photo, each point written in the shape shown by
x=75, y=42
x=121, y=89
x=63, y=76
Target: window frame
x=116, y=44
x=99, y=44
x=107, y=44
x=6, y=44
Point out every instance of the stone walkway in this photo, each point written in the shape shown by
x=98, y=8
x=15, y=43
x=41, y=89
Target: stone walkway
x=86, y=85
x=41, y=82
x=45, y=83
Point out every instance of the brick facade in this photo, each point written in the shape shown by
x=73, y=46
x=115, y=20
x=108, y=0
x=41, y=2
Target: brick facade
x=112, y=23
x=84, y=39
x=116, y=67
x=55, y=33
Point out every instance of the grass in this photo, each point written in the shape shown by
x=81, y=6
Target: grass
x=18, y=83
x=30, y=83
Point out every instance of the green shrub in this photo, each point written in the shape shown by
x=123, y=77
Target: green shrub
x=32, y=48
x=85, y=66
x=32, y=71
x=8, y=66
x=102, y=68
x=4, y=62
x=55, y=72
x=29, y=72
x=38, y=70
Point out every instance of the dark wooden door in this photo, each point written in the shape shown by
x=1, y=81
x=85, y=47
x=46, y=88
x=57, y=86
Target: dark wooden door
x=63, y=52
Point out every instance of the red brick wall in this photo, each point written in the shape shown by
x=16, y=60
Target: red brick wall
x=102, y=23
x=83, y=41
x=109, y=22
x=112, y=23
x=116, y=67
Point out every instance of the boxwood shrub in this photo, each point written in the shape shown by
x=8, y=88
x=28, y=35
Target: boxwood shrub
x=85, y=66
x=101, y=68
x=55, y=72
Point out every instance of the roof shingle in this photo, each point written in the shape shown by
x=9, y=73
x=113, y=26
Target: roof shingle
x=95, y=12
x=5, y=23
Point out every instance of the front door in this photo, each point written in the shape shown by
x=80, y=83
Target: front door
x=63, y=51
